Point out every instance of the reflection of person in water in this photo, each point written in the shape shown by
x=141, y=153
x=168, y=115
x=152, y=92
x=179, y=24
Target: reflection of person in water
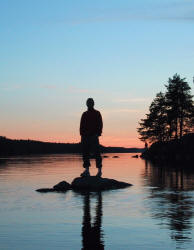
x=91, y=232
x=90, y=129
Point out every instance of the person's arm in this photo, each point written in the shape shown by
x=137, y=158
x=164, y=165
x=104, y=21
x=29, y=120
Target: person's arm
x=100, y=124
x=81, y=129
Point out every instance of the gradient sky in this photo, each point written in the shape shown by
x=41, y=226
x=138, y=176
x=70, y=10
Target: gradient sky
x=56, y=54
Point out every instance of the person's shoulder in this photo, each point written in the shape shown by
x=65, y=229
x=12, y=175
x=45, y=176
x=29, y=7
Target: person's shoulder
x=84, y=113
x=97, y=112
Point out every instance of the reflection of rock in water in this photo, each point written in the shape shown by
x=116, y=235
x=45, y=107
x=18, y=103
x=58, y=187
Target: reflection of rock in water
x=171, y=201
x=92, y=237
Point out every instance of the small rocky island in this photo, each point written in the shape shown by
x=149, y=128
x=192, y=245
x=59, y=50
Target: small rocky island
x=180, y=151
x=90, y=183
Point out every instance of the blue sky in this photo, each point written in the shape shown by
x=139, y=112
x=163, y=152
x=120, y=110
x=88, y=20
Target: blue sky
x=55, y=54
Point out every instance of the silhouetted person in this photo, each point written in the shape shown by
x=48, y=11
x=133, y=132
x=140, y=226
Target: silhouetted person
x=92, y=232
x=146, y=145
x=90, y=129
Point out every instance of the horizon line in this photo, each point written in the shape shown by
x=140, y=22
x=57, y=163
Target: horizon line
x=1, y=136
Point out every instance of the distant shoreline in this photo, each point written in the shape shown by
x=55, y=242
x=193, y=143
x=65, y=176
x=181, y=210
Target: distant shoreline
x=9, y=147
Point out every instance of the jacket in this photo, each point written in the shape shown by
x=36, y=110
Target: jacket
x=91, y=123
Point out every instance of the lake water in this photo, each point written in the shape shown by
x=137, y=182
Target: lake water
x=157, y=212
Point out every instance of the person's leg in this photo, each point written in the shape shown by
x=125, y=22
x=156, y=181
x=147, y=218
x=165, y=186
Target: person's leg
x=87, y=239
x=96, y=148
x=85, y=141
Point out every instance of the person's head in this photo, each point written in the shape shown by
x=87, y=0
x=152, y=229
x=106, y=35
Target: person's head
x=90, y=103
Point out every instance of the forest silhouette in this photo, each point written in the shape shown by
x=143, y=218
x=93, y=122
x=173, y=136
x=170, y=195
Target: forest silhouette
x=169, y=125
x=24, y=147
x=171, y=114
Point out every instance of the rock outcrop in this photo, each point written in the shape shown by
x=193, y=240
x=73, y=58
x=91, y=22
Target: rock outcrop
x=90, y=183
x=62, y=186
x=175, y=151
x=93, y=183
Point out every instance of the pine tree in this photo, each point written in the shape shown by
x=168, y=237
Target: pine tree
x=154, y=127
x=179, y=105
x=171, y=115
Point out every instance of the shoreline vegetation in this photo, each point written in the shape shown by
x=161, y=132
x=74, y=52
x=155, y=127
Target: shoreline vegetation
x=169, y=124
x=177, y=151
x=9, y=147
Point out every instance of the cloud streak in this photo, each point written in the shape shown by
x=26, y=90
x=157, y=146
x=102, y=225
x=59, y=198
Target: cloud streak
x=121, y=110
x=133, y=100
x=73, y=89
x=12, y=87
x=173, y=11
x=49, y=86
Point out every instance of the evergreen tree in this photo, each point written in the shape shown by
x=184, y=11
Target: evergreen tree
x=171, y=114
x=179, y=105
x=154, y=127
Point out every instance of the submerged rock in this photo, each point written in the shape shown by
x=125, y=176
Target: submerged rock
x=45, y=190
x=93, y=183
x=60, y=187
x=90, y=183
x=134, y=156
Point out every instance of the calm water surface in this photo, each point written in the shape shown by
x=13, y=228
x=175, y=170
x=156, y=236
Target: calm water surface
x=155, y=213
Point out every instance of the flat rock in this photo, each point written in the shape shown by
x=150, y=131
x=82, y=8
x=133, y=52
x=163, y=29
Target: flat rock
x=45, y=190
x=90, y=183
x=93, y=183
x=62, y=186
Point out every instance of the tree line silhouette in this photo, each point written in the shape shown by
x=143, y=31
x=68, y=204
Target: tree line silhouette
x=171, y=114
x=24, y=147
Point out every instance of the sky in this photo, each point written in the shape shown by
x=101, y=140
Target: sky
x=56, y=54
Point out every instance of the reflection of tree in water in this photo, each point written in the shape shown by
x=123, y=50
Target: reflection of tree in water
x=3, y=162
x=92, y=237
x=172, y=201
x=3, y=165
